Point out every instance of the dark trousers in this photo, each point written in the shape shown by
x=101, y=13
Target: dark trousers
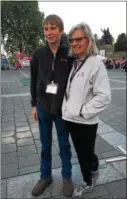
x=83, y=137
x=45, y=121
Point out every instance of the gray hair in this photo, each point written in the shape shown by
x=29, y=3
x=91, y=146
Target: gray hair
x=92, y=47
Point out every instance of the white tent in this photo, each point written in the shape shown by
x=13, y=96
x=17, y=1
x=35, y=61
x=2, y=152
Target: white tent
x=101, y=57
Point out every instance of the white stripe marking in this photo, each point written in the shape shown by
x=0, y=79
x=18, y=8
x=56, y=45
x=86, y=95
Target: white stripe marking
x=115, y=80
x=119, y=88
x=24, y=74
x=16, y=95
x=12, y=81
x=117, y=76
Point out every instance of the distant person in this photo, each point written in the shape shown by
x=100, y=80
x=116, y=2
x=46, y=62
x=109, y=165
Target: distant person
x=117, y=63
x=87, y=95
x=125, y=65
x=18, y=64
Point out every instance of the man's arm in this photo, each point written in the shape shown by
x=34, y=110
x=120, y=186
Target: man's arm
x=33, y=81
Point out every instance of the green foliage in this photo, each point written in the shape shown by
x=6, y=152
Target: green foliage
x=121, y=43
x=11, y=60
x=65, y=41
x=21, y=23
x=97, y=40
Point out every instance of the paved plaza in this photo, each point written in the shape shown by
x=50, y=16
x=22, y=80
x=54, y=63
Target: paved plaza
x=21, y=146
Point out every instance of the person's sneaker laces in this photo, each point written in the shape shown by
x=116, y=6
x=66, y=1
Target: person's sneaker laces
x=84, y=188
x=88, y=188
x=79, y=190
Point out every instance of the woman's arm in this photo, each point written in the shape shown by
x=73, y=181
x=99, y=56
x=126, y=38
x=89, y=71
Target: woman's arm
x=101, y=92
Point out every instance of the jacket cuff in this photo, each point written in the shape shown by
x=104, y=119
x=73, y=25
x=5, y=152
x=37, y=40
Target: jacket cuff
x=33, y=103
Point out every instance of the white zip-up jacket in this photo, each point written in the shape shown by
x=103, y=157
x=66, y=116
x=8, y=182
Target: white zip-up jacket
x=88, y=94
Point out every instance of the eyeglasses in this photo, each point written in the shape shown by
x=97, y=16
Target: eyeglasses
x=77, y=40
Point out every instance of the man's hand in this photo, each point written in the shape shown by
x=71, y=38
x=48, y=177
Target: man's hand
x=34, y=113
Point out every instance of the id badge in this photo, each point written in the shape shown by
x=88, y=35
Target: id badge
x=52, y=88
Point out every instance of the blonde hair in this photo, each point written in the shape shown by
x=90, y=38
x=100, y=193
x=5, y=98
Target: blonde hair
x=92, y=47
x=54, y=20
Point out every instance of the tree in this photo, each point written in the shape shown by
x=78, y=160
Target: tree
x=21, y=23
x=65, y=41
x=106, y=38
x=121, y=43
x=97, y=40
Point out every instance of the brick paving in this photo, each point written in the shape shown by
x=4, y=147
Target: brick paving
x=20, y=145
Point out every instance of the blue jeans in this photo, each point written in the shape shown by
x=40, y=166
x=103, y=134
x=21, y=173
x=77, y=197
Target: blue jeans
x=45, y=121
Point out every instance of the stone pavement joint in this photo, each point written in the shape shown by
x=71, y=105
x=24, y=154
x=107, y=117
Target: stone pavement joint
x=29, y=165
x=21, y=186
x=21, y=147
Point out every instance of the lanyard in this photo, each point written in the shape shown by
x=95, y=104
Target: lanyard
x=72, y=76
x=75, y=71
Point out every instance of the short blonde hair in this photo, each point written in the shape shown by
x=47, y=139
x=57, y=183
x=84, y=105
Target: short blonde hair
x=54, y=20
x=92, y=47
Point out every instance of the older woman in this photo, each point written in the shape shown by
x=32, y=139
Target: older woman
x=87, y=95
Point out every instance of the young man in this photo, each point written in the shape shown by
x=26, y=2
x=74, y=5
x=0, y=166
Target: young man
x=50, y=67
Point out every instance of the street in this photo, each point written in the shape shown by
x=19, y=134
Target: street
x=21, y=146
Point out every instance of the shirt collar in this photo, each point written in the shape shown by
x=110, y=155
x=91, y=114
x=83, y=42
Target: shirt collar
x=80, y=60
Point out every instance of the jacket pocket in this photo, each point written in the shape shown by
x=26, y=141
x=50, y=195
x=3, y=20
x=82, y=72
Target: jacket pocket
x=73, y=109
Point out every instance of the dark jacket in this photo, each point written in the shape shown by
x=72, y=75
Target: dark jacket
x=41, y=74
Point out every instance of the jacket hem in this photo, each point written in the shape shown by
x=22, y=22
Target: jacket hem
x=90, y=121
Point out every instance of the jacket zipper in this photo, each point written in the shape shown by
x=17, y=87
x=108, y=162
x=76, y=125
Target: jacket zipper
x=54, y=57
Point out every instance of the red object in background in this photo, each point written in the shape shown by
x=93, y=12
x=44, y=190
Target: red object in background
x=18, y=64
x=27, y=58
x=19, y=55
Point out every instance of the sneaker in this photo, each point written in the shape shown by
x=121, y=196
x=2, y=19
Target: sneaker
x=82, y=189
x=41, y=186
x=87, y=189
x=79, y=190
x=67, y=187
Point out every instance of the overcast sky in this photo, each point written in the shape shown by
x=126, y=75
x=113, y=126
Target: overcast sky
x=97, y=14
